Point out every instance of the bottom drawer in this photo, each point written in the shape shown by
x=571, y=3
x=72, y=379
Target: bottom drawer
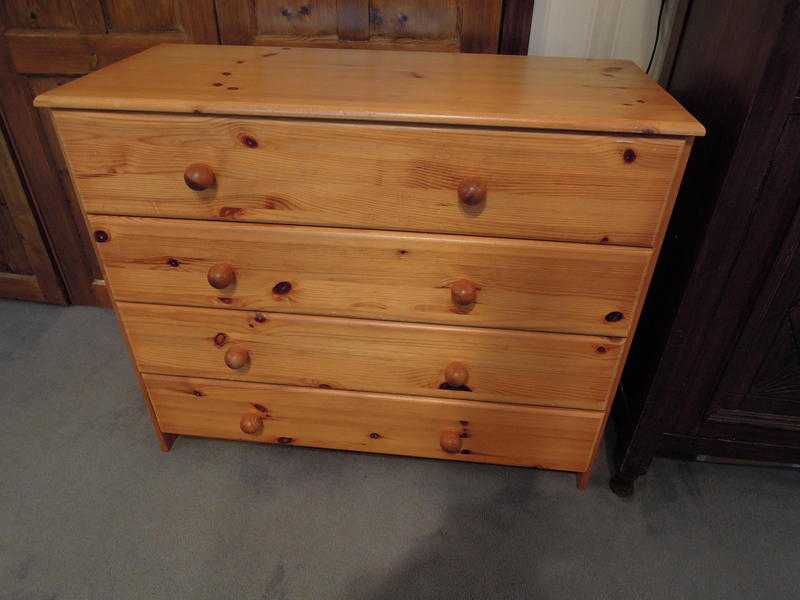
x=550, y=438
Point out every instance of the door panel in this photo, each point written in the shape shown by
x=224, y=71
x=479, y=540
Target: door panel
x=26, y=271
x=758, y=396
x=44, y=44
x=433, y=25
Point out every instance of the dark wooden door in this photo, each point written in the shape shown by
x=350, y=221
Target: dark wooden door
x=26, y=270
x=757, y=398
x=714, y=368
x=438, y=25
x=45, y=43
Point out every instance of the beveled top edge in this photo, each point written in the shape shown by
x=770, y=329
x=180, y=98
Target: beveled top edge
x=381, y=85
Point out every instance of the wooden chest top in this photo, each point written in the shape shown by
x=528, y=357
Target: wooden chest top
x=370, y=85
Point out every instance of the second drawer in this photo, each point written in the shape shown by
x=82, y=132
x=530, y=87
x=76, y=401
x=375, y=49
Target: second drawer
x=357, y=354
x=460, y=280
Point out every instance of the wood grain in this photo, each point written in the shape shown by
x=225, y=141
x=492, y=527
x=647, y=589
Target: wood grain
x=21, y=287
x=555, y=186
x=28, y=144
x=379, y=43
x=510, y=435
x=71, y=53
x=461, y=89
x=361, y=322
x=677, y=178
x=405, y=277
x=26, y=270
x=738, y=66
x=40, y=43
x=80, y=242
x=480, y=25
x=516, y=31
x=352, y=20
x=357, y=354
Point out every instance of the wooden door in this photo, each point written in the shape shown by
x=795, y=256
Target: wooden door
x=26, y=271
x=437, y=25
x=42, y=45
x=757, y=399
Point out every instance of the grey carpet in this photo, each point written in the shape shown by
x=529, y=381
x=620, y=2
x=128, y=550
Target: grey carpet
x=90, y=508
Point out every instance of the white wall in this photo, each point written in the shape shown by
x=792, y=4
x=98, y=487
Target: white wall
x=601, y=29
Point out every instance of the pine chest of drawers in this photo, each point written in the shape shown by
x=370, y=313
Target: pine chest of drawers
x=423, y=254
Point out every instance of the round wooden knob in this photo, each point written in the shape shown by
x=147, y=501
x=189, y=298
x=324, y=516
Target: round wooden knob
x=237, y=357
x=251, y=424
x=199, y=177
x=450, y=441
x=456, y=374
x=464, y=293
x=472, y=193
x=221, y=276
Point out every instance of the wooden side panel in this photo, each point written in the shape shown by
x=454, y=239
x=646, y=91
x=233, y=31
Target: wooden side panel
x=510, y=435
x=59, y=167
x=397, y=276
x=677, y=178
x=358, y=354
x=573, y=187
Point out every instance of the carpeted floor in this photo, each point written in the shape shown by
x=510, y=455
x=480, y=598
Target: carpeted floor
x=90, y=508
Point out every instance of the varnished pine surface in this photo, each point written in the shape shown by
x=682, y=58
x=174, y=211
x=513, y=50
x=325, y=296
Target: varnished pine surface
x=385, y=423
x=521, y=284
x=357, y=354
x=416, y=87
x=555, y=186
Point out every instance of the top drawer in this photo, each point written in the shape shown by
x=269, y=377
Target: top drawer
x=551, y=186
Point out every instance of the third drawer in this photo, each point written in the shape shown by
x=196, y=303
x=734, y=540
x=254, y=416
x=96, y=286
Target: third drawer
x=497, y=365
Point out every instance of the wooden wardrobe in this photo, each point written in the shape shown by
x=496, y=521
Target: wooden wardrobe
x=714, y=370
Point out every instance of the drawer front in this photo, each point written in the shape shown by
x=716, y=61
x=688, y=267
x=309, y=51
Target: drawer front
x=462, y=280
x=358, y=354
x=552, y=186
x=452, y=429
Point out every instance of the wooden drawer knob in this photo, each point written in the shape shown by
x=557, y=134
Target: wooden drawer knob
x=456, y=374
x=199, y=177
x=471, y=193
x=221, y=276
x=450, y=441
x=251, y=424
x=463, y=293
x=237, y=357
